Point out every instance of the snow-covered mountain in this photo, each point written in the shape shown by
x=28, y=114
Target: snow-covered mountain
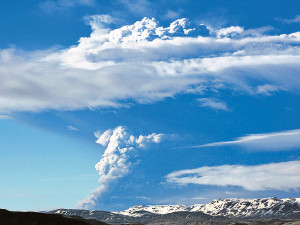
x=264, y=208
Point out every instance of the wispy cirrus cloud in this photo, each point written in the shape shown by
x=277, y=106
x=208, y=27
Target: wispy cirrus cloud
x=274, y=176
x=171, y=14
x=140, y=7
x=296, y=19
x=276, y=141
x=52, y=6
x=71, y=128
x=145, y=62
x=5, y=117
x=119, y=157
x=212, y=103
x=267, y=89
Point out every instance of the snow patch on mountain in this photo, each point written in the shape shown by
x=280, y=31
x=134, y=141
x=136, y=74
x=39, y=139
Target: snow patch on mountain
x=141, y=210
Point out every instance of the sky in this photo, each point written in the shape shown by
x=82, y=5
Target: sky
x=110, y=104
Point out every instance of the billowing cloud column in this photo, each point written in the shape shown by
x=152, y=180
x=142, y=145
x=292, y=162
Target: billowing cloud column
x=122, y=149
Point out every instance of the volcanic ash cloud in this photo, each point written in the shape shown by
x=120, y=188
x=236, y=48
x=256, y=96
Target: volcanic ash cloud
x=119, y=157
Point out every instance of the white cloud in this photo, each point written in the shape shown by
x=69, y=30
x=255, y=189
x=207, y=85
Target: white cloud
x=61, y=5
x=275, y=176
x=277, y=141
x=172, y=14
x=99, y=23
x=294, y=20
x=213, y=103
x=145, y=62
x=120, y=155
x=232, y=31
x=140, y=7
x=5, y=117
x=72, y=128
x=267, y=89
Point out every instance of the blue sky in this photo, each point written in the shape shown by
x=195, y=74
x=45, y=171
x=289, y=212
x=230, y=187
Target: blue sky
x=108, y=104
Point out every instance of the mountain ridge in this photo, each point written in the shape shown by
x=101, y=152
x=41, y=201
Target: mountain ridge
x=230, y=208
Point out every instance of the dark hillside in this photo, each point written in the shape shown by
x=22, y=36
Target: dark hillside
x=33, y=218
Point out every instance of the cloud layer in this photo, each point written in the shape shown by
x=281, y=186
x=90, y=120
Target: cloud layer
x=277, y=141
x=145, y=62
x=274, y=176
x=119, y=157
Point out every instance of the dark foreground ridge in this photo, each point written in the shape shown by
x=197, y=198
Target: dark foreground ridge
x=189, y=218
x=177, y=218
x=33, y=218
